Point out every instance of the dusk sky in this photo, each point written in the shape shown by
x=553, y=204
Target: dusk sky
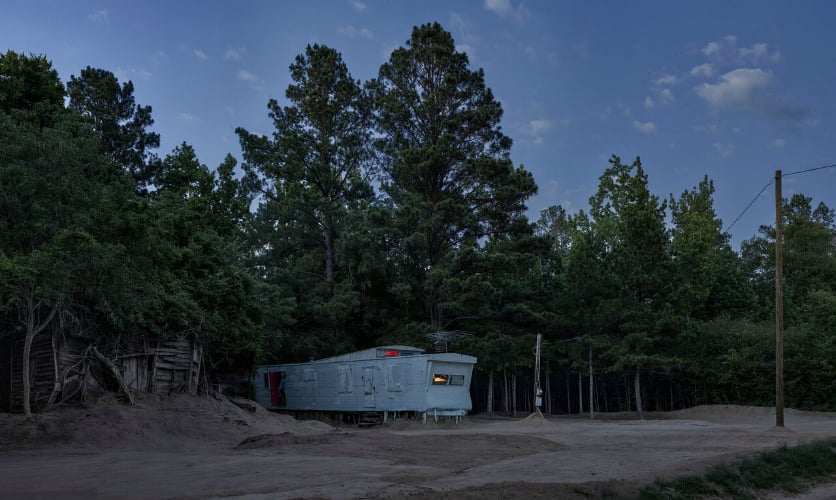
x=732, y=90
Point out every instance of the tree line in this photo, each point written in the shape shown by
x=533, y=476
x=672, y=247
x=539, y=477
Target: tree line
x=378, y=212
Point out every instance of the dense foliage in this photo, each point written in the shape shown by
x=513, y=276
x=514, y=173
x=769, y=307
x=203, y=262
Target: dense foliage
x=381, y=212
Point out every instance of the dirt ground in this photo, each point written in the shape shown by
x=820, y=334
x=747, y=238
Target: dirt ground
x=198, y=448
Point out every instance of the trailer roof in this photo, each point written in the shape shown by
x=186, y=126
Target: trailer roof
x=377, y=352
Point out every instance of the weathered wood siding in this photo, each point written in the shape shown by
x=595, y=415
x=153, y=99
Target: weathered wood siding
x=166, y=368
x=41, y=368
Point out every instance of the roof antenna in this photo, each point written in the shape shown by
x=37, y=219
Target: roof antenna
x=441, y=339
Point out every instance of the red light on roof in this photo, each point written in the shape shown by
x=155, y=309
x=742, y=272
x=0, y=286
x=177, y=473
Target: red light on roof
x=392, y=354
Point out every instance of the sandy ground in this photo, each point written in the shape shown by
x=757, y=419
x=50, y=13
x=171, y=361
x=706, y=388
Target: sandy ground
x=201, y=448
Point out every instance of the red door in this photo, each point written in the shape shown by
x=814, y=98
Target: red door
x=274, y=388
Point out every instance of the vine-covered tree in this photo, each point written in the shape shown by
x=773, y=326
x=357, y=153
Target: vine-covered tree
x=57, y=195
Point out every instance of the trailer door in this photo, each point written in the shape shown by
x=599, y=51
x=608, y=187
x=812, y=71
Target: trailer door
x=277, y=388
x=368, y=386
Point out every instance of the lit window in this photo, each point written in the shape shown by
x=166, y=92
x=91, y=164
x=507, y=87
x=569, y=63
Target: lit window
x=456, y=379
x=440, y=379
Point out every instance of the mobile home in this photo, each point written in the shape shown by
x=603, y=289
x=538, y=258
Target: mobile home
x=389, y=379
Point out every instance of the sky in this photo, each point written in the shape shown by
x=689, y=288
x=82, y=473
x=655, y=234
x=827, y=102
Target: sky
x=729, y=90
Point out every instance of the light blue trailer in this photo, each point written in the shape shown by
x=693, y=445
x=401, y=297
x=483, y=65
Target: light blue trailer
x=389, y=379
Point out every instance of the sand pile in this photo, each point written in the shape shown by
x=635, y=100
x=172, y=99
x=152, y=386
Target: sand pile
x=154, y=423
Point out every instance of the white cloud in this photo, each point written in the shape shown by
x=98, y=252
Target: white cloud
x=232, y=55
x=666, y=80
x=779, y=143
x=757, y=53
x=711, y=49
x=466, y=49
x=645, y=127
x=725, y=150
x=605, y=114
x=538, y=128
x=352, y=32
x=738, y=87
x=359, y=6
x=662, y=96
x=727, y=50
x=460, y=24
x=504, y=8
x=703, y=70
x=188, y=117
x=132, y=73
x=705, y=129
x=159, y=56
x=552, y=58
x=246, y=76
x=100, y=16
x=748, y=87
x=464, y=34
x=200, y=54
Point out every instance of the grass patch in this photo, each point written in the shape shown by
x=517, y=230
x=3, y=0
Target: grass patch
x=789, y=469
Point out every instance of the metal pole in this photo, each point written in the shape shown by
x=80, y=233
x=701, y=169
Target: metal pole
x=779, y=305
x=538, y=393
x=591, y=385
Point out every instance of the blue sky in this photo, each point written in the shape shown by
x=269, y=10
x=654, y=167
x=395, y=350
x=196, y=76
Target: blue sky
x=732, y=90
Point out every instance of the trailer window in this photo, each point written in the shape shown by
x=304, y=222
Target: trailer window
x=440, y=378
x=394, y=382
x=456, y=379
x=309, y=375
x=344, y=376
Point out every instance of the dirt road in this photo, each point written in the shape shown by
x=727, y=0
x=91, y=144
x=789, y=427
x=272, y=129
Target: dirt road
x=197, y=449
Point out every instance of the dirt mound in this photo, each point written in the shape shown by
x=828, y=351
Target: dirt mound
x=154, y=423
x=417, y=423
x=284, y=439
x=744, y=414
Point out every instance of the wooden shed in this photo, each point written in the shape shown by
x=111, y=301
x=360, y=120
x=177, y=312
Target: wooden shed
x=164, y=368
x=52, y=355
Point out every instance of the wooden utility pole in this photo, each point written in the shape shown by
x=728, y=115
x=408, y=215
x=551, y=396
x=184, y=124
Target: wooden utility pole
x=779, y=305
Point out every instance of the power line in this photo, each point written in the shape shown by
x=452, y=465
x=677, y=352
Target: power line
x=809, y=170
x=749, y=205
